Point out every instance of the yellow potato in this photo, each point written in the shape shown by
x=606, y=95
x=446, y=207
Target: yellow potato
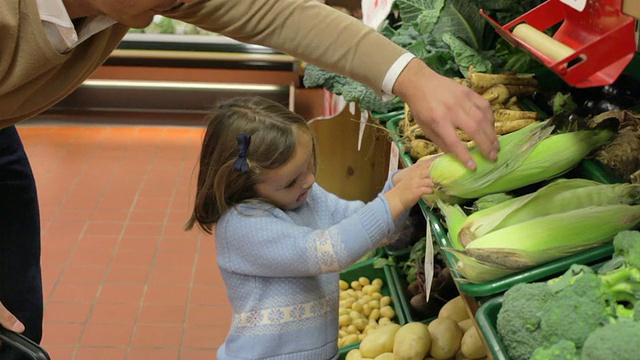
x=446, y=337
x=412, y=342
x=379, y=341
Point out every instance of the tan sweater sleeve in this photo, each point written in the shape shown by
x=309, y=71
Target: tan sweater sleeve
x=306, y=29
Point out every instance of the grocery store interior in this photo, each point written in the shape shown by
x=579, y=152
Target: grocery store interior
x=115, y=165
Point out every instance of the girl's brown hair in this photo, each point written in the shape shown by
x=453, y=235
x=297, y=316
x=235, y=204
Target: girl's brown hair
x=273, y=129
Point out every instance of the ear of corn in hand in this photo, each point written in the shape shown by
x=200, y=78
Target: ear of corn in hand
x=526, y=156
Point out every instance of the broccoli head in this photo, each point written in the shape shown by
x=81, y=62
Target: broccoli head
x=562, y=350
x=627, y=244
x=617, y=340
x=574, y=311
x=518, y=321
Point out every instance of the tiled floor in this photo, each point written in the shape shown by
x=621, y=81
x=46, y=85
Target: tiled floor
x=122, y=280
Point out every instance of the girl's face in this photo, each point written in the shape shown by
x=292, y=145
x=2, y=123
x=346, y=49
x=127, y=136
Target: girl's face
x=287, y=187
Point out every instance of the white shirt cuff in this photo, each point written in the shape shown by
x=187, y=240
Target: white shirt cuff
x=392, y=75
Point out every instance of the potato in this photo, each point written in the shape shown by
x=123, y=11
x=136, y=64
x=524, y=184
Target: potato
x=354, y=355
x=385, y=356
x=379, y=341
x=465, y=324
x=454, y=309
x=446, y=336
x=472, y=346
x=412, y=342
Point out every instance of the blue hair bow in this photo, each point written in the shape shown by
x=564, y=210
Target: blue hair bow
x=243, y=147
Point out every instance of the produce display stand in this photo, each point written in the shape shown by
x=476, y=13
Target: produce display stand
x=486, y=318
x=367, y=269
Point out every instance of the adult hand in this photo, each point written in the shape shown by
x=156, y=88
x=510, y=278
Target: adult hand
x=440, y=105
x=9, y=321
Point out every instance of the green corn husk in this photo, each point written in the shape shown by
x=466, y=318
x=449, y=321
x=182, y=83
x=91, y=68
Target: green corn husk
x=527, y=156
x=551, y=237
x=559, y=196
x=476, y=271
x=454, y=218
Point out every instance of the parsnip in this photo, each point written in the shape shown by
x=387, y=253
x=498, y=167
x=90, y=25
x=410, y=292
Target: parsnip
x=497, y=94
x=505, y=127
x=482, y=80
x=421, y=148
x=510, y=115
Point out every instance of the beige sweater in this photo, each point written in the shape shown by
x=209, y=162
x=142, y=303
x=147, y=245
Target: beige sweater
x=34, y=76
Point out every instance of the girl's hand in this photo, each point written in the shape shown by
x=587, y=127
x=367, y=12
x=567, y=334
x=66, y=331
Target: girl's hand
x=410, y=185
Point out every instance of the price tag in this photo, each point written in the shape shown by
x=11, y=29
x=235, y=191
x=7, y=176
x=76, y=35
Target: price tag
x=428, y=261
x=394, y=157
x=364, y=118
x=332, y=104
x=375, y=12
x=578, y=5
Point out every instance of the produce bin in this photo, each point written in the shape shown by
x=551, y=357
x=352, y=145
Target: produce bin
x=586, y=169
x=487, y=318
x=366, y=268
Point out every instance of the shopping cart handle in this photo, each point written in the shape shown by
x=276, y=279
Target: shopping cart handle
x=23, y=344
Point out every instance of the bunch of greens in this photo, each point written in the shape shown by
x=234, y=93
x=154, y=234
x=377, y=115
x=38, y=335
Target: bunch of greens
x=448, y=35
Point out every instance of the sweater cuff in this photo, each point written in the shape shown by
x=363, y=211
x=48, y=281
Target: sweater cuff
x=376, y=220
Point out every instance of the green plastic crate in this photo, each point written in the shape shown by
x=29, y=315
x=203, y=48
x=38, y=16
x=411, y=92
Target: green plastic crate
x=585, y=169
x=367, y=269
x=487, y=318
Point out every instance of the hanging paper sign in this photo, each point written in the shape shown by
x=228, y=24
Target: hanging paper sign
x=375, y=12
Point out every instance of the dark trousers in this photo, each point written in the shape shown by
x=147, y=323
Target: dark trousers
x=20, y=278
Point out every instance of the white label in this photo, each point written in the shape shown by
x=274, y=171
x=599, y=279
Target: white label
x=578, y=5
x=428, y=261
x=364, y=118
x=375, y=12
x=394, y=157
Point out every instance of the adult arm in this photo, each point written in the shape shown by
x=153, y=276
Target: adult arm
x=320, y=35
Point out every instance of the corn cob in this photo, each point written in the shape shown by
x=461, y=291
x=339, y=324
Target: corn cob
x=560, y=196
x=526, y=156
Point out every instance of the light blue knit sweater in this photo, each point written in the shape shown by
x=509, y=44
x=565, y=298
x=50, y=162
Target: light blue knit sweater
x=281, y=270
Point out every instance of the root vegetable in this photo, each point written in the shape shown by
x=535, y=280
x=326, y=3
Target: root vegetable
x=454, y=309
x=412, y=342
x=445, y=338
x=505, y=127
x=471, y=344
x=379, y=341
x=421, y=148
x=497, y=94
x=482, y=80
x=385, y=356
x=510, y=115
x=465, y=324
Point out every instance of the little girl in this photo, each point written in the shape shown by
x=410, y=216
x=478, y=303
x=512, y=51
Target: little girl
x=281, y=239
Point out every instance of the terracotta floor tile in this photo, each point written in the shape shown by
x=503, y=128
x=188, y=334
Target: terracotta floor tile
x=125, y=274
x=62, y=352
x=115, y=258
x=162, y=314
x=101, y=353
x=138, y=243
x=109, y=313
x=133, y=258
x=165, y=336
x=166, y=294
x=215, y=315
x=204, y=337
x=82, y=257
x=85, y=293
x=154, y=216
x=98, y=242
x=121, y=293
x=171, y=275
x=175, y=258
x=106, y=335
x=142, y=229
x=155, y=354
x=70, y=312
x=61, y=333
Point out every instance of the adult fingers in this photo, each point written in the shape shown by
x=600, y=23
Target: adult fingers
x=9, y=321
x=481, y=126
